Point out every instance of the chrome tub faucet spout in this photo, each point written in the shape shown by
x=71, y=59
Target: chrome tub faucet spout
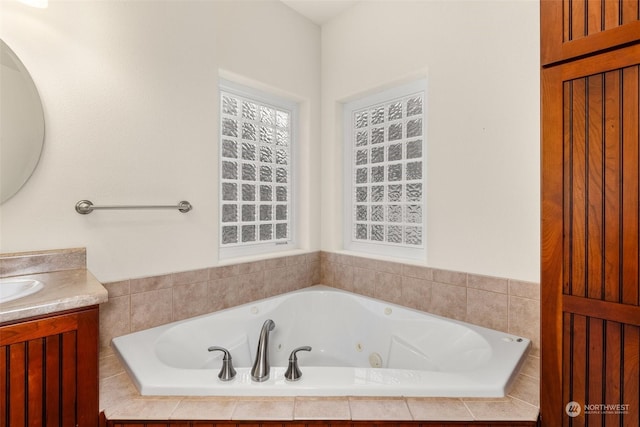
x=260, y=370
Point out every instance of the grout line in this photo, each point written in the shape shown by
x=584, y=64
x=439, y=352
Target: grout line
x=469, y=410
x=523, y=401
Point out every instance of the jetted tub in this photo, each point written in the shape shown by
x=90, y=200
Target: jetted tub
x=360, y=347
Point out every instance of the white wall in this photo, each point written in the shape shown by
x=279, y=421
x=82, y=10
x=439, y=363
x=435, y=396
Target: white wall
x=131, y=108
x=481, y=59
x=130, y=97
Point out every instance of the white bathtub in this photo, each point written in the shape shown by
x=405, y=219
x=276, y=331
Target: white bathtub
x=360, y=347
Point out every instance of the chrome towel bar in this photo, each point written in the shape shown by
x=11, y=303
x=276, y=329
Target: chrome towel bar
x=85, y=207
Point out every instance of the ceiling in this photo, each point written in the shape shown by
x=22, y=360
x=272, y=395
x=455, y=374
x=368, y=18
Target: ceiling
x=320, y=11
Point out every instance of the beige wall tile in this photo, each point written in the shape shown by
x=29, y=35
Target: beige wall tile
x=377, y=265
x=296, y=259
x=224, y=271
x=313, y=257
x=149, y=309
x=488, y=309
x=364, y=281
x=251, y=267
x=416, y=271
x=488, y=283
x=329, y=257
x=117, y=289
x=272, y=263
x=524, y=289
x=343, y=276
x=191, y=300
x=222, y=293
x=346, y=259
x=279, y=280
x=314, y=268
x=531, y=367
x=250, y=287
x=327, y=273
x=449, y=301
x=302, y=276
x=115, y=319
x=416, y=293
x=188, y=277
x=524, y=320
x=152, y=283
x=450, y=277
x=388, y=287
x=236, y=290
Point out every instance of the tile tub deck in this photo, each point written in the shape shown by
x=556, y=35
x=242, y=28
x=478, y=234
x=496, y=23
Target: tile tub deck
x=120, y=400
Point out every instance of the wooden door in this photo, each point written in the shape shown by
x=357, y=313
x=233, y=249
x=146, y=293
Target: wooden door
x=590, y=306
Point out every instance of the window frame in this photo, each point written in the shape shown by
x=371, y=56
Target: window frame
x=237, y=250
x=368, y=100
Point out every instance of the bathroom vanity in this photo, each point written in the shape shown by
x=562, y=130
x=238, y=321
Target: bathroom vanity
x=49, y=351
x=49, y=370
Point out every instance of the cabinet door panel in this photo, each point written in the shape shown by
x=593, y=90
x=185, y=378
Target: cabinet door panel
x=17, y=392
x=602, y=190
x=35, y=382
x=590, y=237
x=41, y=382
x=4, y=369
x=68, y=365
x=573, y=28
x=52, y=381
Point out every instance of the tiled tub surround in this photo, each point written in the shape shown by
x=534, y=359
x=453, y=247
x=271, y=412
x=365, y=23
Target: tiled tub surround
x=503, y=304
x=506, y=305
x=424, y=355
x=138, y=304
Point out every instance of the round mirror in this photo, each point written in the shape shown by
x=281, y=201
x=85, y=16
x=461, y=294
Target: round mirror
x=22, y=124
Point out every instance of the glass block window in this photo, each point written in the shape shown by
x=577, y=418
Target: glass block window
x=385, y=147
x=255, y=171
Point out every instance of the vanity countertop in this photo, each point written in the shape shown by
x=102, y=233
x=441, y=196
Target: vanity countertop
x=63, y=290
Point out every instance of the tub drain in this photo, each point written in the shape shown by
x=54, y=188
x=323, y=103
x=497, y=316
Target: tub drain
x=375, y=360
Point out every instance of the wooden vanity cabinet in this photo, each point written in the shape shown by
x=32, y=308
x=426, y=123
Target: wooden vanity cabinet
x=49, y=370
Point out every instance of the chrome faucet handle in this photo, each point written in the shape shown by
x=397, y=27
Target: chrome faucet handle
x=227, y=373
x=293, y=372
